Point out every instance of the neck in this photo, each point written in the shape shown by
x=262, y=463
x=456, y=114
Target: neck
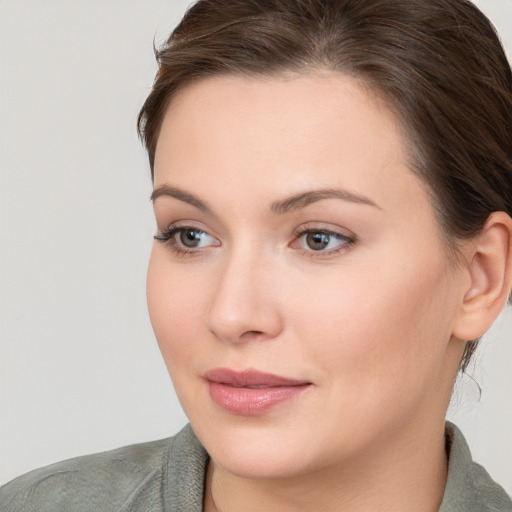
x=408, y=474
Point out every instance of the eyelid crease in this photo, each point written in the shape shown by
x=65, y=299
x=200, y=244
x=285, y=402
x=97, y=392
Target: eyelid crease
x=171, y=230
x=347, y=241
x=168, y=236
x=324, y=227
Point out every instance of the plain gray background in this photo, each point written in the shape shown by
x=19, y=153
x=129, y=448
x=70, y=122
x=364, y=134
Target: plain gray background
x=80, y=371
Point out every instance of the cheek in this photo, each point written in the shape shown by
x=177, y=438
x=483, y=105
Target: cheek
x=385, y=331
x=176, y=304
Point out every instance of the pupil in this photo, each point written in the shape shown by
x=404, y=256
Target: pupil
x=190, y=238
x=318, y=241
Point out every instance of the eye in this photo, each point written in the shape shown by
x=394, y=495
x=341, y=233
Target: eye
x=193, y=238
x=185, y=239
x=323, y=241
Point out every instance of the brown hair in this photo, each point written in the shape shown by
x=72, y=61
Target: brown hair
x=438, y=64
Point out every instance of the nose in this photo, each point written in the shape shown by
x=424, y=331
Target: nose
x=244, y=306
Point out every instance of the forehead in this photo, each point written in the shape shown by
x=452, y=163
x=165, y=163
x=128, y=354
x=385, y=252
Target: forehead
x=286, y=133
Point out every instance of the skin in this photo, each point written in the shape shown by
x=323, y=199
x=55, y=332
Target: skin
x=369, y=323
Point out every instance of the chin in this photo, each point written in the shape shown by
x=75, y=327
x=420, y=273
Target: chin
x=256, y=450
x=258, y=463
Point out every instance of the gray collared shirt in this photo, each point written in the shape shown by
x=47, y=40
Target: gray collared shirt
x=168, y=476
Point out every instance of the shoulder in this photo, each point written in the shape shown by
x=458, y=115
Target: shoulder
x=127, y=478
x=469, y=485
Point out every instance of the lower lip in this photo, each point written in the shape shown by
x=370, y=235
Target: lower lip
x=252, y=402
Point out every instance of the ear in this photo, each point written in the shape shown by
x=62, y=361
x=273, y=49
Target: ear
x=488, y=260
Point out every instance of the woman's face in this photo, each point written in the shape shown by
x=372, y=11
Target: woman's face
x=299, y=290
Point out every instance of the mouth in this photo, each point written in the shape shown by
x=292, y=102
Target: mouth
x=251, y=392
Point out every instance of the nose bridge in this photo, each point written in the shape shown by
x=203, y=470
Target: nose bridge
x=244, y=306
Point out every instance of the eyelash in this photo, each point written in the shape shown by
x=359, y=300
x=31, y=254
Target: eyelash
x=168, y=237
x=347, y=242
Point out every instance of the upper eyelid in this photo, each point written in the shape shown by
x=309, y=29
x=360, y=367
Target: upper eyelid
x=311, y=226
x=321, y=230
x=335, y=234
x=324, y=227
x=167, y=236
x=184, y=224
x=172, y=229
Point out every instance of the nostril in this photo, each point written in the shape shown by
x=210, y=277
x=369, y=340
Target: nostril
x=241, y=311
x=251, y=335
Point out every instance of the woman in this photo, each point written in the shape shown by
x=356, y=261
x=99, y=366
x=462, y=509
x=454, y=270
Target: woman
x=333, y=197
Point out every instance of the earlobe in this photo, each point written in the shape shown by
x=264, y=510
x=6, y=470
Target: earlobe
x=489, y=266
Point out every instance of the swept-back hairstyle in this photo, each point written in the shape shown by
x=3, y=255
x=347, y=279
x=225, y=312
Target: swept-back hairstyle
x=438, y=65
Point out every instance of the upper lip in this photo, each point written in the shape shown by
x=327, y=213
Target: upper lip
x=250, y=378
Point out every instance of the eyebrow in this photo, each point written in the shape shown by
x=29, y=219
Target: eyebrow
x=289, y=204
x=304, y=199
x=181, y=195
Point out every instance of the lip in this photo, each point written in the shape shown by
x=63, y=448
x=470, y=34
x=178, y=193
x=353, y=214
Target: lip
x=251, y=392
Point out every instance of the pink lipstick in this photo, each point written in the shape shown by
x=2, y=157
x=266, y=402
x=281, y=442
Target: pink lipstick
x=251, y=392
